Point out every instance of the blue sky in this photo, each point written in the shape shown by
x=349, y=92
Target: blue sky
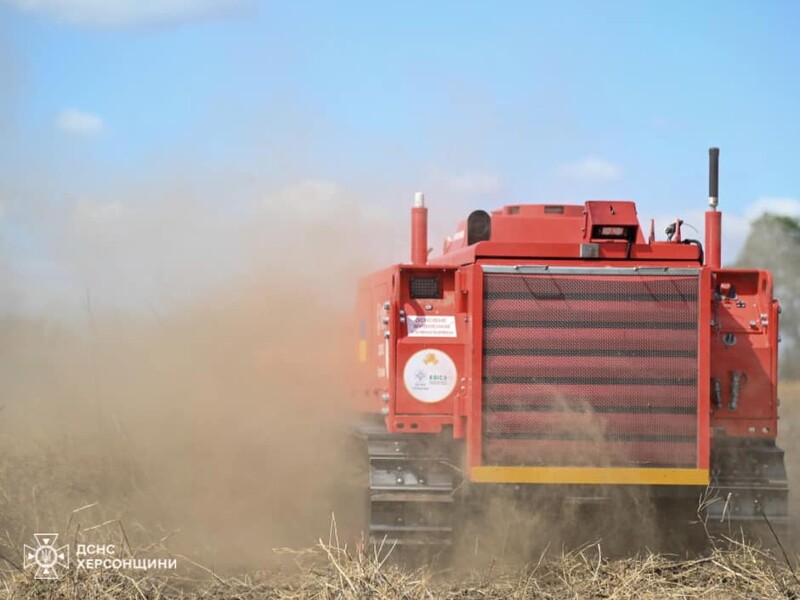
x=115, y=108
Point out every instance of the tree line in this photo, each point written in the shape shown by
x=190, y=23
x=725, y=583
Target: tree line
x=774, y=244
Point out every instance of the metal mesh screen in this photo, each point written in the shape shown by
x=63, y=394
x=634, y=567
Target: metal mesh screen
x=590, y=370
x=425, y=287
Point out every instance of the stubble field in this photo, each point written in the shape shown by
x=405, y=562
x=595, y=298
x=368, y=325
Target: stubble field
x=214, y=439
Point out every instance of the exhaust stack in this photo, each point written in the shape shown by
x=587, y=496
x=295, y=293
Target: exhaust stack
x=713, y=216
x=419, y=230
x=713, y=178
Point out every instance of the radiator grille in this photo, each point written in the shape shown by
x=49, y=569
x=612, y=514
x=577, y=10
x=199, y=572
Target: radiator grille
x=590, y=370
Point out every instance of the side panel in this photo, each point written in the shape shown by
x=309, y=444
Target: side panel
x=475, y=401
x=373, y=350
x=428, y=333
x=430, y=345
x=744, y=355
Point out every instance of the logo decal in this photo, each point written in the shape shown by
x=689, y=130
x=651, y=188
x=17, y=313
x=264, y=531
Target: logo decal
x=430, y=376
x=50, y=560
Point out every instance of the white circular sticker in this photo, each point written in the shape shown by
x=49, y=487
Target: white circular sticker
x=430, y=375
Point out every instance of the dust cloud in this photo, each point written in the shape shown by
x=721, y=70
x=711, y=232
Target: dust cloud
x=191, y=383
x=789, y=442
x=214, y=421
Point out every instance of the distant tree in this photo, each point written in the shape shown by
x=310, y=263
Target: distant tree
x=774, y=244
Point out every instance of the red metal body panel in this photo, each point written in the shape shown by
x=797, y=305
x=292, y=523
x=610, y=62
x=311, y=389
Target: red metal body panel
x=628, y=365
x=744, y=340
x=612, y=251
x=704, y=355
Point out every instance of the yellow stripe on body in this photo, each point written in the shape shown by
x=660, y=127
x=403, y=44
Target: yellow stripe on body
x=590, y=475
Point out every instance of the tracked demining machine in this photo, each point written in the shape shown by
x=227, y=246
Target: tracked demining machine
x=563, y=352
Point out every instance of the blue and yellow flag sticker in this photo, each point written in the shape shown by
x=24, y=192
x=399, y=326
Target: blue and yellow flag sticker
x=362, y=344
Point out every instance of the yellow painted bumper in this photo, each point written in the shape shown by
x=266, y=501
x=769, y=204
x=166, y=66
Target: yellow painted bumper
x=589, y=475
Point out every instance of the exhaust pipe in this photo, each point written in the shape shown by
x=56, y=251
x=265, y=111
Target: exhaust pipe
x=713, y=216
x=419, y=231
x=713, y=178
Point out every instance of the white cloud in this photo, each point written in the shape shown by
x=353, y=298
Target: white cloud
x=478, y=182
x=78, y=122
x=126, y=13
x=591, y=169
x=789, y=207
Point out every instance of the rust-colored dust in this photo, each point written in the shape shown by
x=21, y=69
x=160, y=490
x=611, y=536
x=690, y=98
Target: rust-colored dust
x=217, y=424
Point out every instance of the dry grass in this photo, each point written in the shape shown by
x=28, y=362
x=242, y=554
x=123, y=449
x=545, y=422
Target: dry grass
x=331, y=570
x=131, y=459
x=732, y=570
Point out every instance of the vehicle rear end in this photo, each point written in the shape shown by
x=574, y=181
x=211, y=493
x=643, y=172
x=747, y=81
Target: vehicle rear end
x=558, y=353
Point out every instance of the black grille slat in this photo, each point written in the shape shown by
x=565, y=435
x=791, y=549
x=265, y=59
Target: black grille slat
x=593, y=380
x=591, y=324
x=575, y=438
x=610, y=296
x=651, y=410
x=658, y=353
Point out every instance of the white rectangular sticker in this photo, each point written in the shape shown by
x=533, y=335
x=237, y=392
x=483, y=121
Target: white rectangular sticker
x=431, y=326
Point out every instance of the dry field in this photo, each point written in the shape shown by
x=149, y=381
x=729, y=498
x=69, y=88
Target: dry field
x=327, y=572
x=194, y=439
